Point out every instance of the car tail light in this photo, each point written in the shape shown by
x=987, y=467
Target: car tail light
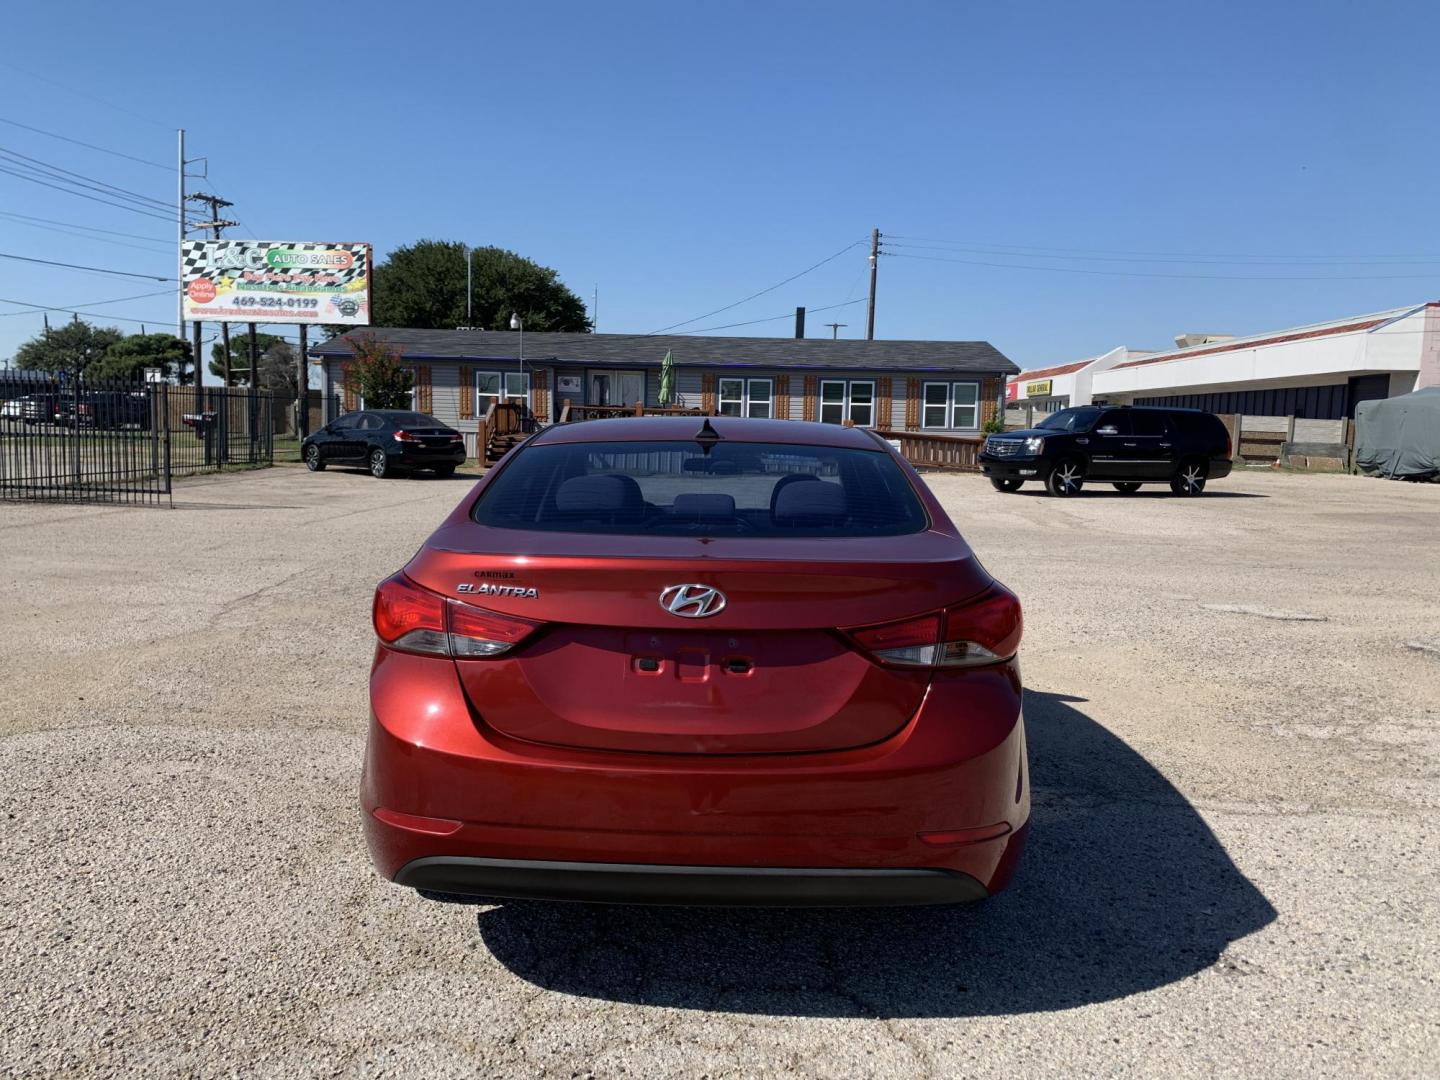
x=1229, y=446
x=475, y=632
x=417, y=620
x=407, y=437
x=457, y=437
x=986, y=630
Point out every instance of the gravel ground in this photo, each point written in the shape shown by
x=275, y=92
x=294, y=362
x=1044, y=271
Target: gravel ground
x=1233, y=710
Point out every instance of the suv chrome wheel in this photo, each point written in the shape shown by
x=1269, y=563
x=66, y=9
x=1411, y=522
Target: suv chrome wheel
x=1066, y=478
x=1190, y=480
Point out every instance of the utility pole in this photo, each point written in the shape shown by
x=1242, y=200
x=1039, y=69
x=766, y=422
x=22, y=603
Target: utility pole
x=180, y=238
x=835, y=329
x=302, y=385
x=874, y=265
x=595, y=312
x=216, y=225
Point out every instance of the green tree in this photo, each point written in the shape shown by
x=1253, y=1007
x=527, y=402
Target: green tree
x=73, y=345
x=277, y=369
x=423, y=285
x=239, y=355
x=379, y=378
x=130, y=356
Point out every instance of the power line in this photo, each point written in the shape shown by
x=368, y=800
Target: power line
x=34, y=307
x=36, y=164
x=80, y=194
x=762, y=292
x=1181, y=277
x=88, y=97
x=88, y=146
x=1308, y=260
x=86, y=236
x=972, y=244
x=87, y=228
x=91, y=269
x=775, y=318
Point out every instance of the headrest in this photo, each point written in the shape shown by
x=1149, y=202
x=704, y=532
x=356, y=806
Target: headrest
x=702, y=505
x=812, y=503
x=598, y=495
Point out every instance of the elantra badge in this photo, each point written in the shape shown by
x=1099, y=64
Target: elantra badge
x=486, y=589
x=692, y=601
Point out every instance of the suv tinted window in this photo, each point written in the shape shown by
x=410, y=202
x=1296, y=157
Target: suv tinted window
x=1118, y=419
x=1202, y=426
x=1148, y=425
x=1078, y=419
x=676, y=489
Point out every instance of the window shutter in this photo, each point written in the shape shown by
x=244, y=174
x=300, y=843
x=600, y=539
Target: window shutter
x=782, y=397
x=989, y=395
x=467, y=392
x=884, y=403
x=812, y=389
x=707, y=393
x=912, y=404
x=540, y=393
x=424, y=394
x=347, y=388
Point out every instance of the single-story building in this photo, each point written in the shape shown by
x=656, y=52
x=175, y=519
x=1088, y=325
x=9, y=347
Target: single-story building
x=1050, y=389
x=946, y=387
x=1316, y=372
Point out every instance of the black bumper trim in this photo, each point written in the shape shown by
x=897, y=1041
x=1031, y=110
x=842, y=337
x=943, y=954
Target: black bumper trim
x=706, y=886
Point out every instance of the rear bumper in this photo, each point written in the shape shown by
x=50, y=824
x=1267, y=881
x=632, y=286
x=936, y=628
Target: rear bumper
x=934, y=814
x=1219, y=467
x=428, y=457
x=707, y=886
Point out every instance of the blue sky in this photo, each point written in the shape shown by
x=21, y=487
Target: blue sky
x=679, y=158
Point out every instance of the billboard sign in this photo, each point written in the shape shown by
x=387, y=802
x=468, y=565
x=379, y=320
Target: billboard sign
x=1039, y=388
x=271, y=281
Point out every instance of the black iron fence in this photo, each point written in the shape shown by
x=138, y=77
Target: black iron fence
x=84, y=440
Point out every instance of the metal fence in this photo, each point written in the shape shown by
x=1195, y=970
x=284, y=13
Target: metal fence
x=82, y=440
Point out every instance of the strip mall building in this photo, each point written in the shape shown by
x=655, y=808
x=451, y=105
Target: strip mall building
x=1319, y=372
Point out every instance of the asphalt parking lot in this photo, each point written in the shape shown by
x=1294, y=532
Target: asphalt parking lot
x=1234, y=714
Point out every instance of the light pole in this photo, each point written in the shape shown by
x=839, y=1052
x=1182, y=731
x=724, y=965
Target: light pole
x=516, y=324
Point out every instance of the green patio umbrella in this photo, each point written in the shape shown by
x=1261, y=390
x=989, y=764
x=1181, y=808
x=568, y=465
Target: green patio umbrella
x=667, y=380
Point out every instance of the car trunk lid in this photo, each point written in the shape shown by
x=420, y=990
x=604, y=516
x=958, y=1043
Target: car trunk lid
x=613, y=669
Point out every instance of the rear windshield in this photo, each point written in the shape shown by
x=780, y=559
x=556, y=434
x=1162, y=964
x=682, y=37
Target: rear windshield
x=676, y=489
x=411, y=419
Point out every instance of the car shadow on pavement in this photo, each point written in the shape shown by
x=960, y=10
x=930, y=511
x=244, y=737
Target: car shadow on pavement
x=1092, y=489
x=1123, y=889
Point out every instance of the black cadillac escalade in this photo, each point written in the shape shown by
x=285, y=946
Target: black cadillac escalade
x=1125, y=446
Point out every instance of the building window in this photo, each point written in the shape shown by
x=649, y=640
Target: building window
x=853, y=401
x=732, y=397
x=747, y=397
x=951, y=405
x=760, y=397
x=492, y=387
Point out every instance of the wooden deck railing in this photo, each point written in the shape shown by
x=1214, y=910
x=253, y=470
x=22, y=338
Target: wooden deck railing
x=571, y=412
x=925, y=450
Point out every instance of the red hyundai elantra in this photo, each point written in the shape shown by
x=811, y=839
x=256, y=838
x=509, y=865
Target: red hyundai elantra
x=660, y=660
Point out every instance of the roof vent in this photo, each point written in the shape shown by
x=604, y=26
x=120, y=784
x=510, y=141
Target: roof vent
x=1189, y=341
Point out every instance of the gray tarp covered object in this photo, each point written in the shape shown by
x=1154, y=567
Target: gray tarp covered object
x=1399, y=437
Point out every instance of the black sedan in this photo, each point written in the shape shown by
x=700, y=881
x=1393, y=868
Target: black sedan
x=388, y=442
